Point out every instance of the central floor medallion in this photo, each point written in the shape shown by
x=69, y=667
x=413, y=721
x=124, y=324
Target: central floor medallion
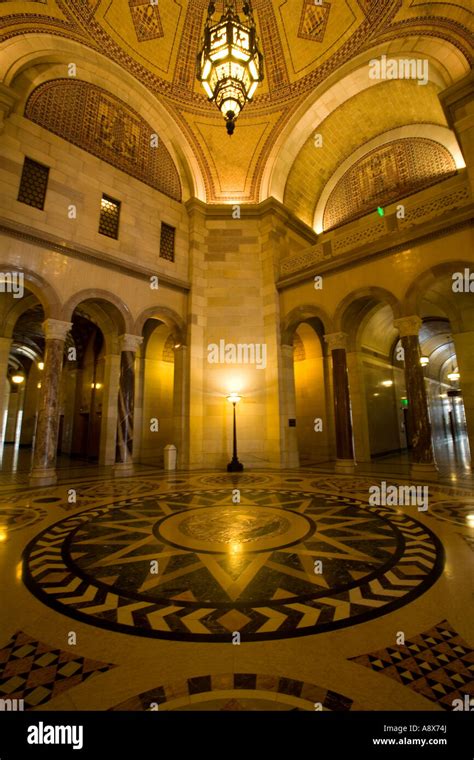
x=234, y=529
x=195, y=566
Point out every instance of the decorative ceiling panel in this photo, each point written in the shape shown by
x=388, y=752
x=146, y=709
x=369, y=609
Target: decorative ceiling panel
x=100, y=123
x=385, y=175
x=303, y=43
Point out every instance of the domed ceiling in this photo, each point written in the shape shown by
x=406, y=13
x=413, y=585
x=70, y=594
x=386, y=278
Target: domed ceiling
x=303, y=44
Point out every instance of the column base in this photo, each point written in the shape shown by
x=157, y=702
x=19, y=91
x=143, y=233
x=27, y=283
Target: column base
x=43, y=477
x=346, y=465
x=123, y=469
x=235, y=466
x=420, y=471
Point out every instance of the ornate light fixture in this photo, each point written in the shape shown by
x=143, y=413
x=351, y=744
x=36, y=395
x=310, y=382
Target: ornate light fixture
x=454, y=376
x=18, y=378
x=230, y=64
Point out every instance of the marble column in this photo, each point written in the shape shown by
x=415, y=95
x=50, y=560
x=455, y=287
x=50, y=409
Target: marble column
x=290, y=440
x=5, y=345
x=337, y=343
x=180, y=405
x=423, y=462
x=43, y=471
x=129, y=345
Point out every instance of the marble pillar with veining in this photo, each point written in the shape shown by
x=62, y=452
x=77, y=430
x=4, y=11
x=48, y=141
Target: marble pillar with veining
x=126, y=399
x=421, y=440
x=46, y=439
x=337, y=343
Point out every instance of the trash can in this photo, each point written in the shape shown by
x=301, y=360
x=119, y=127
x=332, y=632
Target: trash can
x=170, y=457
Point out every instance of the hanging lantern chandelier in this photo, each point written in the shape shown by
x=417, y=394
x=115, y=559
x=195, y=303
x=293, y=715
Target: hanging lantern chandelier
x=230, y=64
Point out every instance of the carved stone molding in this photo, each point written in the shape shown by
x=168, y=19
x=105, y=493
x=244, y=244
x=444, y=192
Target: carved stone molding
x=56, y=329
x=336, y=340
x=408, y=325
x=130, y=342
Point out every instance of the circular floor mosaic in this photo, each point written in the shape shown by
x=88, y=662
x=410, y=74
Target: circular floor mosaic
x=195, y=566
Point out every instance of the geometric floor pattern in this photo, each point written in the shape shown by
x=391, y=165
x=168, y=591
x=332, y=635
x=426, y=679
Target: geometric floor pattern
x=438, y=664
x=194, y=566
x=228, y=690
x=36, y=672
x=15, y=518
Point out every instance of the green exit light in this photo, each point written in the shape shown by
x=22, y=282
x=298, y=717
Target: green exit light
x=404, y=402
x=380, y=211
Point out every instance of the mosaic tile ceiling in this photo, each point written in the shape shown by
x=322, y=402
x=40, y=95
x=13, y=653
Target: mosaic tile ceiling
x=303, y=45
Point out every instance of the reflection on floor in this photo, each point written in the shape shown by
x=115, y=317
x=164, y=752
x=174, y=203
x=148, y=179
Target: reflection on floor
x=265, y=590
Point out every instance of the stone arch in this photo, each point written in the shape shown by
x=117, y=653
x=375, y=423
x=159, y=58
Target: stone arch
x=43, y=291
x=34, y=58
x=106, y=310
x=375, y=297
x=439, y=137
x=67, y=107
x=301, y=314
x=14, y=313
x=411, y=302
x=165, y=315
x=348, y=81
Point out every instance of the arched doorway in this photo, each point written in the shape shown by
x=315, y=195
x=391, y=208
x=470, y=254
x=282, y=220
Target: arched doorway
x=367, y=317
x=307, y=422
x=442, y=298
x=158, y=373
x=23, y=352
x=90, y=379
x=312, y=403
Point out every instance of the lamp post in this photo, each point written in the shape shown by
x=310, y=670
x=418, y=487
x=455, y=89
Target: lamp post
x=234, y=465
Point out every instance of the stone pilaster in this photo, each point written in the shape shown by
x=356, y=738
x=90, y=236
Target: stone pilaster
x=126, y=398
x=8, y=100
x=422, y=447
x=43, y=472
x=181, y=405
x=197, y=323
x=464, y=344
x=290, y=454
x=360, y=417
x=458, y=103
x=337, y=343
x=5, y=345
x=108, y=428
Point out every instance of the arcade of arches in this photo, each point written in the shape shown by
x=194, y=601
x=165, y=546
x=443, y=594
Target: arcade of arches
x=325, y=251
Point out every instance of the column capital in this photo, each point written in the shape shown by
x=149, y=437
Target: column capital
x=408, y=325
x=336, y=340
x=56, y=329
x=130, y=342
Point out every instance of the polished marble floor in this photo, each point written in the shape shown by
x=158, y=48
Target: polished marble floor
x=266, y=590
